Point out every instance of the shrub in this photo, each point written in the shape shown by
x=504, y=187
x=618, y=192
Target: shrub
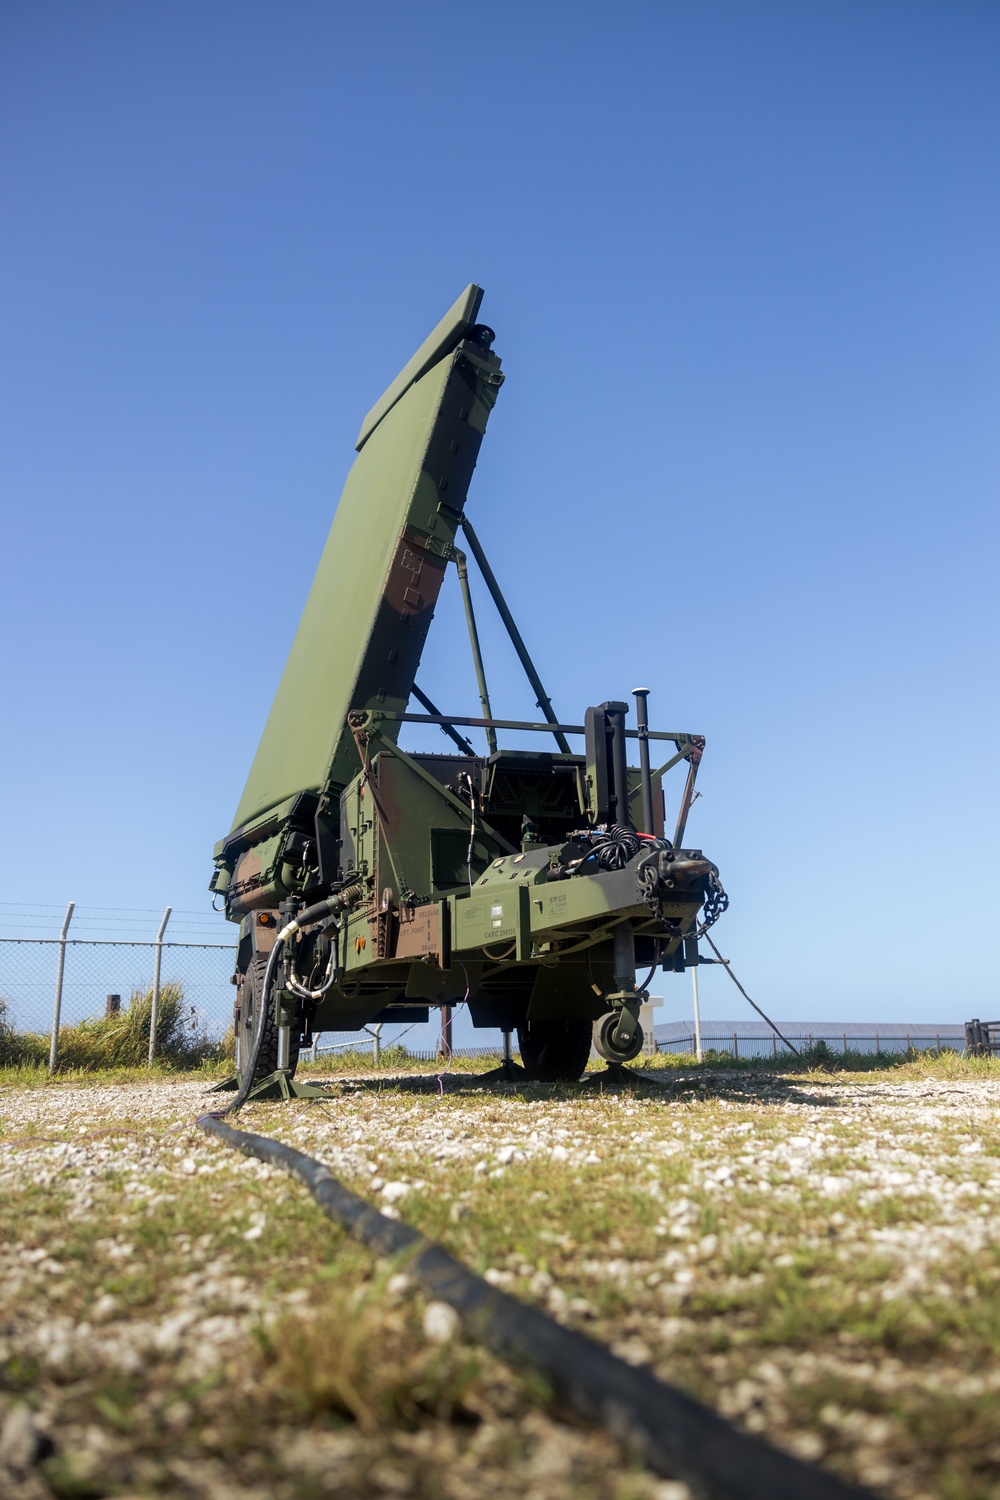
x=121, y=1040
x=16, y=1048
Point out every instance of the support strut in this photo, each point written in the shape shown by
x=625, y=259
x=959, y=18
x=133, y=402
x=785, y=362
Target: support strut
x=477, y=655
x=448, y=729
x=489, y=577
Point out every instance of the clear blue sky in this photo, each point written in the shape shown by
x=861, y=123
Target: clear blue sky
x=742, y=263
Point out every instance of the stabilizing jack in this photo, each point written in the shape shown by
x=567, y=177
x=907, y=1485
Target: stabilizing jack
x=509, y=1071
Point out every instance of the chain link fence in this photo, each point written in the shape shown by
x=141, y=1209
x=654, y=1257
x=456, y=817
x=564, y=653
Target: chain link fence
x=102, y=954
x=91, y=956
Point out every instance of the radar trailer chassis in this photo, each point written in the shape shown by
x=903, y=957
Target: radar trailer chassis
x=371, y=883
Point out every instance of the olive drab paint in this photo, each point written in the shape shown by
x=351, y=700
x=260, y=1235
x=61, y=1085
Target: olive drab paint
x=367, y=614
x=517, y=880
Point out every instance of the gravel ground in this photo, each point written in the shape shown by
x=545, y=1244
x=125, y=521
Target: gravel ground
x=816, y=1257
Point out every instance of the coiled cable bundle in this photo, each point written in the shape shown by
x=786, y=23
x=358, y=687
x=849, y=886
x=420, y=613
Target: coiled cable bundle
x=612, y=847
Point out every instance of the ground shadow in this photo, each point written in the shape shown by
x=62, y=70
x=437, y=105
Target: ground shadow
x=667, y=1085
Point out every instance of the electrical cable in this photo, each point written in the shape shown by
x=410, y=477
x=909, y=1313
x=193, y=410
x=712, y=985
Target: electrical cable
x=656, y=964
x=303, y=991
x=617, y=845
x=725, y=964
x=249, y=1071
x=307, y=918
x=464, y=776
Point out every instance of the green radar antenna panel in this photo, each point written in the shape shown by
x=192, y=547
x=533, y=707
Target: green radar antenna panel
x=371, y=883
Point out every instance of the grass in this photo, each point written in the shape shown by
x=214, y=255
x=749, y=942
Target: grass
x=118, y=1041
x=215, y=1064
x=807, y=1252
x=815, y=1254
x=215, y=1335
x=819, y=1058
x=109, y=1047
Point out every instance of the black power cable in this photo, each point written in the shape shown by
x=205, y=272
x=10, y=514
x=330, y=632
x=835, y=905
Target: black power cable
x=672, y=1434
x=249, y=1069
x=312, y=914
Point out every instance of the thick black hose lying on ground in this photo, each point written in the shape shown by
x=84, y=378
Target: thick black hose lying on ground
x=673, y=1434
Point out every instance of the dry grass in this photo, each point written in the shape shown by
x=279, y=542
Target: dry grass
x=115, y=1042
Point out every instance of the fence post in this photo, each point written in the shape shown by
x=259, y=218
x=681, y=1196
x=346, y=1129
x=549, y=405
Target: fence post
x=154, y=1010
x=444, y=1041
x=57, y=1006
x=112, y=1005
x=699, y=1055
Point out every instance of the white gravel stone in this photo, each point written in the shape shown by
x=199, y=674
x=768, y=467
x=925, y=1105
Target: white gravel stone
x=440, y=1322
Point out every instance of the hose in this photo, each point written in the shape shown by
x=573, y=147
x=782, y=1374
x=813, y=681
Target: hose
x=307, y=918
x=329, y=978
x=670, y=1432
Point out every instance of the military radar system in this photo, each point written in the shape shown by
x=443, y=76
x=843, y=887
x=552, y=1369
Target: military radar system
x=371, y=883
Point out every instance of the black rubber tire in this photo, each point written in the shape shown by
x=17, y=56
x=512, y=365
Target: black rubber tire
x=607, y=1048
x=554, y=1051
x=249, y=996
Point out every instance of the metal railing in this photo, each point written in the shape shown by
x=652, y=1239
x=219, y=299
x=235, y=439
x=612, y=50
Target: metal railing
x=749, y=1045
x=982, y=1038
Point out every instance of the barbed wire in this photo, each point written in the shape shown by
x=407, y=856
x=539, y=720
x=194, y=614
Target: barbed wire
x=86, y=906
x=39, y=920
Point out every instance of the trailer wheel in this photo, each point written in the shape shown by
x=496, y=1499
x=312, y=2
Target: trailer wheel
x=554, y=1051
x=608, y=1048
x=251, y=985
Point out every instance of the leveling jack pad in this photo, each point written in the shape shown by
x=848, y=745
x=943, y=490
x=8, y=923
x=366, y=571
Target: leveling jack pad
x=617, y=1076
x=276, y=1086
x=508, y=1072
x=227, y=1086
x=281, y=1085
